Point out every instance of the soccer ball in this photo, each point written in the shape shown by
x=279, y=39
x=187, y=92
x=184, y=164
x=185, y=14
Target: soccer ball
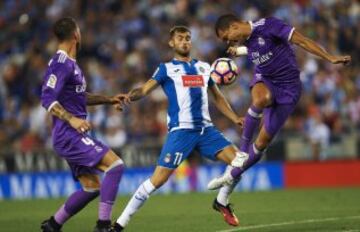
x=224, y=71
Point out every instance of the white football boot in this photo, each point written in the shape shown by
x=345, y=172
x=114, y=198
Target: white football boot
x=226, y=178
x=219, y=182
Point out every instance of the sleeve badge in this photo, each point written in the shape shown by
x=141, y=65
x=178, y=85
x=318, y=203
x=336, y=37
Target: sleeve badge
x=51, y=81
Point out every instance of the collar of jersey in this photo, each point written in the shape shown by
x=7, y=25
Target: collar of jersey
x=64, y=52
x=251, y=28
x=175, y=61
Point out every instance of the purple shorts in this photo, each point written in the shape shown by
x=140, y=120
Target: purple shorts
x=82, y=153
x=285, y=97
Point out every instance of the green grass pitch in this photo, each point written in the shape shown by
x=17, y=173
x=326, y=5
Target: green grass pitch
x=282, y=210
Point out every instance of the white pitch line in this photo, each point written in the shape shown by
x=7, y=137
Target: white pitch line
x=290, y=223
x=348, y=231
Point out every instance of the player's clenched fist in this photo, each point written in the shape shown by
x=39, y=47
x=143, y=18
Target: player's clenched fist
x=79, y=124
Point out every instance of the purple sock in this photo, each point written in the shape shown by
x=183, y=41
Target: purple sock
x=77, y=201
x=108, y=191
x=252, y=120
x=254, y=156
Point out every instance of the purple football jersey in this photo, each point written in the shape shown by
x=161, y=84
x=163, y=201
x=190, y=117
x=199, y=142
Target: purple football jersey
x=271, y=52
x=65, y=83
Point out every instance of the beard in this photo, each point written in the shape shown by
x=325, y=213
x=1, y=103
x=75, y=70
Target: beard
x=183, y=52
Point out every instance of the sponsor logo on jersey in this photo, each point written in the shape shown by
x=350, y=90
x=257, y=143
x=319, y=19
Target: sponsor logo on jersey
x=81, y=88
x=202, y=69
x=255, y=55
x=261, y=59
x=51, y=81
x=193, y=81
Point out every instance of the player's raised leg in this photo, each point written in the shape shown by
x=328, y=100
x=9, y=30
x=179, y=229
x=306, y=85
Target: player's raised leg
x=160, y=176
x=77, y=201
x=113, y=168
x=261, y=98
x=255, y=153
x=275, y=117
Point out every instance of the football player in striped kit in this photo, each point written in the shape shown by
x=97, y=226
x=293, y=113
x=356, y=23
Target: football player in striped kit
x=186, y=83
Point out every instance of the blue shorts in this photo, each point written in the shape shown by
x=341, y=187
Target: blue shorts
x=180, y=143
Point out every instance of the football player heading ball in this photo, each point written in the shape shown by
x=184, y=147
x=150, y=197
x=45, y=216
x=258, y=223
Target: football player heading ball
x=276, y=86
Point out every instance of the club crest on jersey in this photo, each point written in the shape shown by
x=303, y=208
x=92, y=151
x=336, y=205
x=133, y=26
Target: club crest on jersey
x=202, y=69
x=261, y=41
x=193, y=81
x=167, y=158
x=51, y=81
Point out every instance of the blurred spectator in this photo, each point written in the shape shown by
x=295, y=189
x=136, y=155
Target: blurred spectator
x=318, y=134
x=115, y=135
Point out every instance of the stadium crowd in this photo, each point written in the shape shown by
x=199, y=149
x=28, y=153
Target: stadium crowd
x=124, y=41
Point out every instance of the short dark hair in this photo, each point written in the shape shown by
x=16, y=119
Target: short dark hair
x=178, y=28
x=224, y=22
x=64, y=28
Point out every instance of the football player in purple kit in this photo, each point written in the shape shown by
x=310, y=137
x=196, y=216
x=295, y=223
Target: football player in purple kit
x=64, y=96
x=276, y=86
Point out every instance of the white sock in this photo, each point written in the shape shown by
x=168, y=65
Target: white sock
x=225, y=191
x=137, y=200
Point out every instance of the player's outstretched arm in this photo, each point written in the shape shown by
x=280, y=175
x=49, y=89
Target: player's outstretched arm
x=144, y=90
x=314, y=48
x=118, y=100
x=78, y=124
x=224, y=106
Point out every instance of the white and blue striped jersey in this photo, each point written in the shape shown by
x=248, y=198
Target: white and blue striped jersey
x=185, y=85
